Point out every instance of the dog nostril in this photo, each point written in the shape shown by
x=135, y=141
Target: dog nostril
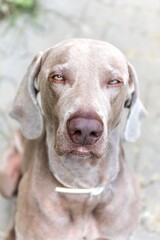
x=94, y=134
x=78, y=132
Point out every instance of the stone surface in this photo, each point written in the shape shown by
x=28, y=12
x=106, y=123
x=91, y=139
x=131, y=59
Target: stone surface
x=132, y=26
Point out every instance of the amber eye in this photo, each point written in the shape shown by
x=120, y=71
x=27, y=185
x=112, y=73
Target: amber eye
x=115, y=82
x=56, y=78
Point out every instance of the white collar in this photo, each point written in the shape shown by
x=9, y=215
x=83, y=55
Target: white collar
x=92, y=191
x=70, y=189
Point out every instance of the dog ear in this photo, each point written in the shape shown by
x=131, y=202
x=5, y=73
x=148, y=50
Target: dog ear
x=136, y=109
x=25, y=107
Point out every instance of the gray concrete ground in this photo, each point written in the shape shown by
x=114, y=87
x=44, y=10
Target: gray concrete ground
x=132, y=26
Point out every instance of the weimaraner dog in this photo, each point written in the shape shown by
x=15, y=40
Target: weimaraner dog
x=75, y=182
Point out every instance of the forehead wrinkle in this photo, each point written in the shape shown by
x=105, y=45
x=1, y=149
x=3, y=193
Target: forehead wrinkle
x=58, y=68
x=84, y=46
x=87, y=58
x=79, y=61
x=97, y=56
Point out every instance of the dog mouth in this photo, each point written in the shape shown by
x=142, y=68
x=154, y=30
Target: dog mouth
x=85, y=152
x=82, y=152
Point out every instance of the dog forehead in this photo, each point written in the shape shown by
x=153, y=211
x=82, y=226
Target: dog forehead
x=84, y=51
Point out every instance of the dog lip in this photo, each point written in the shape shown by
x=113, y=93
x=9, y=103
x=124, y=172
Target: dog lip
x=76, y=153
x=81, y=151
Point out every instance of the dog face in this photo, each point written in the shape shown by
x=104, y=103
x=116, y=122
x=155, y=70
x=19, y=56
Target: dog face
x=83, y=85
x=86, y=81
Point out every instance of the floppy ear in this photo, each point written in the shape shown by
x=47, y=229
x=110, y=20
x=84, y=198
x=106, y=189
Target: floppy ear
x=136, y=109
x=25, y=108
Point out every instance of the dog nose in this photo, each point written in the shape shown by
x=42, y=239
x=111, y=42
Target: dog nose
x=84, y=131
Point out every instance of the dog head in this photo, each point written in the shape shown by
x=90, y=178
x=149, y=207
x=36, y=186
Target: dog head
x=84, y=86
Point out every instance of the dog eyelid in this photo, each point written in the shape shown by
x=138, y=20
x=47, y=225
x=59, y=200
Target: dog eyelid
x=115, y=82
x=56, y=78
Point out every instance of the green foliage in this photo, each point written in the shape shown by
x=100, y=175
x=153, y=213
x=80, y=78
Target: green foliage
x=26, y=4
x=12, y=7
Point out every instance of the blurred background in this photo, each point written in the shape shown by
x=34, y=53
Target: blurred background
x=28, y=26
